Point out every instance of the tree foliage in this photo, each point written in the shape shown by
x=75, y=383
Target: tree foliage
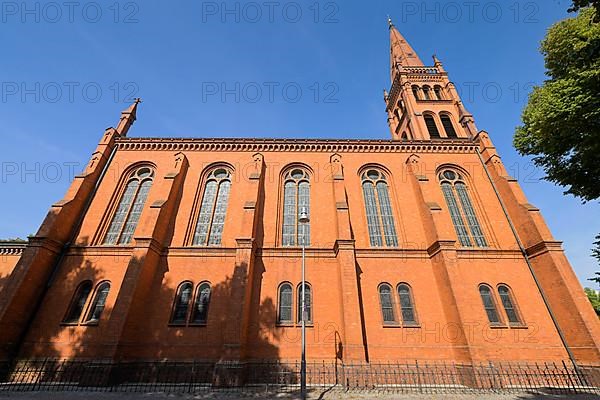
x=561, y=122
x=579, y=4
x=594, y=298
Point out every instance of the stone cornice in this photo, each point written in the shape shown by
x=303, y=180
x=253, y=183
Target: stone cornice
x=297, y=145
x=46, y=243
x=391, y=253
x=543, y=247
x=296, y=252
x=441, y=245
x=102, y=250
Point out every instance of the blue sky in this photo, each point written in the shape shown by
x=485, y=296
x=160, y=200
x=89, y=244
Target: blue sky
x=68, y=70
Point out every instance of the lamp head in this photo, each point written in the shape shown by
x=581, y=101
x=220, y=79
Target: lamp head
x=303, y=218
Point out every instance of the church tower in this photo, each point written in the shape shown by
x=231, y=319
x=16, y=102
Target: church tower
x=422, y=103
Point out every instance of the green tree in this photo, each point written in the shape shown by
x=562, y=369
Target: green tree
x=596, y=255
x=561, y=122
x=594, y=298
x=578, y=4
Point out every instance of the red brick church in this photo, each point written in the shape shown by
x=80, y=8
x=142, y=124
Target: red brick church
x=419, y=247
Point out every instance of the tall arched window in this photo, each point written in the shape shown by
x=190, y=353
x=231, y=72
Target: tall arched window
x=415, y=91
x=182, y=303
x=387, y=303
x=453, y=186
x=130, y=207
x=431, y=126
x=95, y=311
x=378, y=207
x=307, y=300
x=437, y=89
x=78, y=301
x=407, y=306
x=427, y=92
x=448, y=126
x=211, y=218
x=284, y=314
x=200, y=311
x=296, y=197
x=489, y=304
x=506, y=299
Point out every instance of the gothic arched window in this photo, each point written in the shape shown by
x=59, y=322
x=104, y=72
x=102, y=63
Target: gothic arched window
x=415, y=91
x=387, y=303
x=407, y=306
x=130, y=207
x=431, y=126
x=200, y=311
x=78, y=302
x=453, y=186
x=182, y=303
x=98, y=304
x=211, y=218
x=437, y=89
x=296, y=198
x=378, y=207
x=489, y=304
x=427, y=92
x=284, y=314
x=448, y=126
x=506, y=299
x=307, y=300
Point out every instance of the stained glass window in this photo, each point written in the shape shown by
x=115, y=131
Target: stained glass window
x=211, y=219
x=387, y=303
x=296, y=198
x=378, y=209
x=461, y=210
x=489, y=304
x=285, y=304
x=508, y=304
x=99, y=303
x=200, y=311
x=182, y=303
x=131, y=205
x=307, y=301
x=78, y=302
x=406, y=305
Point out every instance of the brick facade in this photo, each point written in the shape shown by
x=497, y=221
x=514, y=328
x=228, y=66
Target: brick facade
x=344, y=270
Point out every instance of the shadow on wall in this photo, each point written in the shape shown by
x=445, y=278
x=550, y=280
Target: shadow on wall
x=3, y=281
x=71, y=320
x=150, y=348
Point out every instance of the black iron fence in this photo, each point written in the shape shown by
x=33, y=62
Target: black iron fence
x=192, y=377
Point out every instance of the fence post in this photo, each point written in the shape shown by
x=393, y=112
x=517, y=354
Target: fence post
x=418, y=377
x=569, y=376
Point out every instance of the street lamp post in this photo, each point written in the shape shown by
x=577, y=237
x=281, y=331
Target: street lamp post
x=303, y=219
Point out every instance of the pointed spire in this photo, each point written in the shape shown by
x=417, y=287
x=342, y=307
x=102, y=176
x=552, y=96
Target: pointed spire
x=438, y=64
x=128, y=117
x=400, y=51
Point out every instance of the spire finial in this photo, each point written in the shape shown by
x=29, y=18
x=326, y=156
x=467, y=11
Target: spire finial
x=390, y=23
x=128, y=117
